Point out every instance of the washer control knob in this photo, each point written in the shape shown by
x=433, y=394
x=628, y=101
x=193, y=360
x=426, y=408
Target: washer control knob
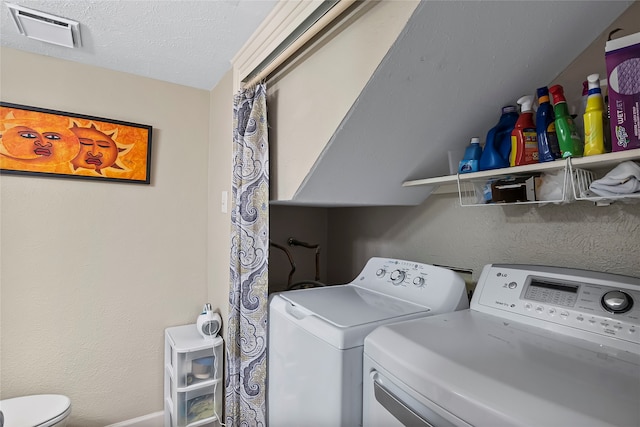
x=419, y=281
x=617, y=302
x=397, y=277
x=381, y=272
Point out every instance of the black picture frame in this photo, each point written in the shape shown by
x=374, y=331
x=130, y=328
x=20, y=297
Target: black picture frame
x=42, y=142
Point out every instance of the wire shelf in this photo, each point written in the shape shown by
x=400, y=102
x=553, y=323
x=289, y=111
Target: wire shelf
x=559, y=185
x=581, y=181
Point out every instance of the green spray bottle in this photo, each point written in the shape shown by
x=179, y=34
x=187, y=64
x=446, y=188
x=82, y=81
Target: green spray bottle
x=571, y=144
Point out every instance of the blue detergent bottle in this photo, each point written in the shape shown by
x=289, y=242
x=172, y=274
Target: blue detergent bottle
x=471, y=157
x=498, y=146
x=548, y=148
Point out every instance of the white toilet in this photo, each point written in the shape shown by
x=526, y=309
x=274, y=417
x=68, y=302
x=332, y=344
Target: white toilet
x=39, y=410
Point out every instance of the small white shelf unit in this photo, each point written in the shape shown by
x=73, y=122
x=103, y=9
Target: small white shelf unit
x=192, y=378
x=579, y=172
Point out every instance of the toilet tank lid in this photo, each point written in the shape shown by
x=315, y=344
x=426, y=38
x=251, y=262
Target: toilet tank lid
x=21, y=411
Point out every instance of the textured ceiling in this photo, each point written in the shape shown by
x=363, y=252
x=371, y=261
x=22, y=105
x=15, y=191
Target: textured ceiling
x=186, y=42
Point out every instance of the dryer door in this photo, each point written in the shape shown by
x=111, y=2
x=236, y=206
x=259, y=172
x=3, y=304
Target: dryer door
x=387, y=402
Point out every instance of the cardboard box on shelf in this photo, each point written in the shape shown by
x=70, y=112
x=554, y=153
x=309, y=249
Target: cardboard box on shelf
x=514, y=189
x=622, y=57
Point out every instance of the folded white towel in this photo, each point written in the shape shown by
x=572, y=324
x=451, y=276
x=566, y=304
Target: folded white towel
x=623, y=179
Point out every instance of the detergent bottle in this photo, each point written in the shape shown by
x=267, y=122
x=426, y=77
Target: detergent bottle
x=498, y=145
x=578, y=119
x=548, y=149
x=471, y=157
x=568, y=138
x=524, y=140
x=594, y=118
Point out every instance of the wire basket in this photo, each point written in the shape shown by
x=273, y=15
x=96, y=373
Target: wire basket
x=479, y=191
x=556, y=186
x=580, y=182
x=582, y=179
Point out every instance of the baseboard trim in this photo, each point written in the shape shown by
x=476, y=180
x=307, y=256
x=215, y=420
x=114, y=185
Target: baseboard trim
x=149, y=420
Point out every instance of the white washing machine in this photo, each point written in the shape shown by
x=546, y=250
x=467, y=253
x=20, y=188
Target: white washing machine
x=316, y=337
x=540, y=346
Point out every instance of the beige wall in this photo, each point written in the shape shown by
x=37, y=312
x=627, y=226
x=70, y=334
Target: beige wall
x=93, y=272
x=440, y=231
x=219, y=229
x=220, y=157
x=592, y=58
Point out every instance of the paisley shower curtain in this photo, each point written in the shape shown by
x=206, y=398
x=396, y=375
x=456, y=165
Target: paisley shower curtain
x=245, y=376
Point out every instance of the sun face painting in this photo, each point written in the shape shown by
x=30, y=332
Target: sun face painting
x=38, y=141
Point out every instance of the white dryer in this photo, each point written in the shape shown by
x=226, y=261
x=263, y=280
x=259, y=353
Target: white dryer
x=540, y=346
x=316, y=337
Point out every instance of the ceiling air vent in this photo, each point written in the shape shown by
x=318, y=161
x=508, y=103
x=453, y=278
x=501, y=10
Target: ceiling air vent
x=44, y=27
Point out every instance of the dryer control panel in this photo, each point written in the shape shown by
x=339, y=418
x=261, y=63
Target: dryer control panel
x=576, y=301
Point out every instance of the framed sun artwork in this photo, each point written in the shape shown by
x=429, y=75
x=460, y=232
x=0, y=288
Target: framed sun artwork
x=36, y=141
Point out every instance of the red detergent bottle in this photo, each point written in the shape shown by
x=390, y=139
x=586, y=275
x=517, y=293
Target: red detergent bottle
x=524, y=139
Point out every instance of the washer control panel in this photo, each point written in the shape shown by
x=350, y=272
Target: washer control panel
x=601, y=303
x=423, y=284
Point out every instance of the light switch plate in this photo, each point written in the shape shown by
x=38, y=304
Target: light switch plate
x=223, y=204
